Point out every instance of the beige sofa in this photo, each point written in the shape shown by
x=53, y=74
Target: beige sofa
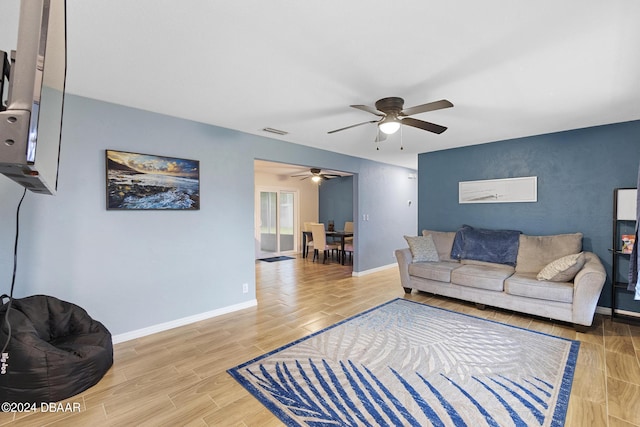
x=516, y=287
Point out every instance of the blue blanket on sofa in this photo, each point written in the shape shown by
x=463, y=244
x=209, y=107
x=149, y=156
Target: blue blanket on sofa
x=498, y=246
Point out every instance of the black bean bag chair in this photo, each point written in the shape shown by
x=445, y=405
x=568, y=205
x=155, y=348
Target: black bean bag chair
x=55, y=350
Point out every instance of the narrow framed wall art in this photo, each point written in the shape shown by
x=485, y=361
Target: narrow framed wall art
x=148, y=182
x=507, y=190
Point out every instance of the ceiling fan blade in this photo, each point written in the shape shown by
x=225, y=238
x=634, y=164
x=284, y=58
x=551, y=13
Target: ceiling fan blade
x=431, y=127
x=431, y=106
x=329, y=175
x=352, y=126
x=368, y=109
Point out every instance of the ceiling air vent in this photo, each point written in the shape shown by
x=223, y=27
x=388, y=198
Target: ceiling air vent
x=276, y=131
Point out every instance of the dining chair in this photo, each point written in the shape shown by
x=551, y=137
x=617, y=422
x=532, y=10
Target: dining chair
x=320, y=242
x=348, y=227
x=348, y=248
x=307, y=227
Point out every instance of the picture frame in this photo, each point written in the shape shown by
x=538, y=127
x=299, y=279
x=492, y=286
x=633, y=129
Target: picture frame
x=506, y=190
x=136, y=181
x=626, y=199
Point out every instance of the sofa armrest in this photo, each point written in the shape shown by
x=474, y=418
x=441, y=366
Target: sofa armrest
x=587, y=287
x=405, y=258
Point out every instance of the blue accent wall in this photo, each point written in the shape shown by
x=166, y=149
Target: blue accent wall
x=336, y=201
x=577, y=172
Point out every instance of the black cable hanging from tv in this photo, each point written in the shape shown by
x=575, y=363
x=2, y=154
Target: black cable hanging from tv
x=13, y=279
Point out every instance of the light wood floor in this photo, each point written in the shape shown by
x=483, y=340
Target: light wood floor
x=178, y=377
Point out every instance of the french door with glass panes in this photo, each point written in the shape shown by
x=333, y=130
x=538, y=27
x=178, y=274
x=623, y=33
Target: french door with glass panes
x=276, y=222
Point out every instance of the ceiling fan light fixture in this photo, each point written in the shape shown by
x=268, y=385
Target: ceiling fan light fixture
x=389, y=126
x=316, y=178
x=394, y=114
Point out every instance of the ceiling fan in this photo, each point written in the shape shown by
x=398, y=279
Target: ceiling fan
x=316, y=175
x=393, y=114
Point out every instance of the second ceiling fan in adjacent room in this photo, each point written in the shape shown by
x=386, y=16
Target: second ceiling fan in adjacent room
x=316, y=175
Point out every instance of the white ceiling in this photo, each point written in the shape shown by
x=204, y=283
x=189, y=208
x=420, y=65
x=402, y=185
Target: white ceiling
x=511, y=68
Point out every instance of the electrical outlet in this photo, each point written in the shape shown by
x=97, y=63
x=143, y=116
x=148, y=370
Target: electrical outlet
x=245, y=288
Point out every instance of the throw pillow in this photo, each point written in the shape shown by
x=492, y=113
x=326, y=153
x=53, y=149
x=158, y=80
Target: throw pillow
x=563, y=269
x=422, y=248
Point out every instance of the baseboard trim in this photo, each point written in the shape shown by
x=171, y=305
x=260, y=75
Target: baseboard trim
x=607, y=312
x=138, y=333
x=373, y=270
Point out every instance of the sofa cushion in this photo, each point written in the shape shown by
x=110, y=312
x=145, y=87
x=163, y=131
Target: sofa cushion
x=563, y=269
x=481, y=276
x=536, y=252
x=488, y=264
x=439, y=271
x=443, y=241
x=527, y=285
x=422, y=248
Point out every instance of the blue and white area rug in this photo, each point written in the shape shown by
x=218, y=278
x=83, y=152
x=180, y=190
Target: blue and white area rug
x=409, y=364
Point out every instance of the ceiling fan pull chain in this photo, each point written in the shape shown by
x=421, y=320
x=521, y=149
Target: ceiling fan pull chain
x=401, y=145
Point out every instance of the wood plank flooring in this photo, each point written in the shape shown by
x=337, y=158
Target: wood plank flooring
x=178, y=377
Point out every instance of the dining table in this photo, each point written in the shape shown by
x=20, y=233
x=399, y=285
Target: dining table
x=341, y=234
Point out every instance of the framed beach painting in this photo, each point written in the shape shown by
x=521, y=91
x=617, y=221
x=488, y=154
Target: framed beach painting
x=147, y=182
x=506, y=190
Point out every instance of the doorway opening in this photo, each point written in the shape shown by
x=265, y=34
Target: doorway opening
x=273, y=235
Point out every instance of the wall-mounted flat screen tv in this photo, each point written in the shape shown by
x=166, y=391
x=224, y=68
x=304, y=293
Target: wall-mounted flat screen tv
x=31, y=114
